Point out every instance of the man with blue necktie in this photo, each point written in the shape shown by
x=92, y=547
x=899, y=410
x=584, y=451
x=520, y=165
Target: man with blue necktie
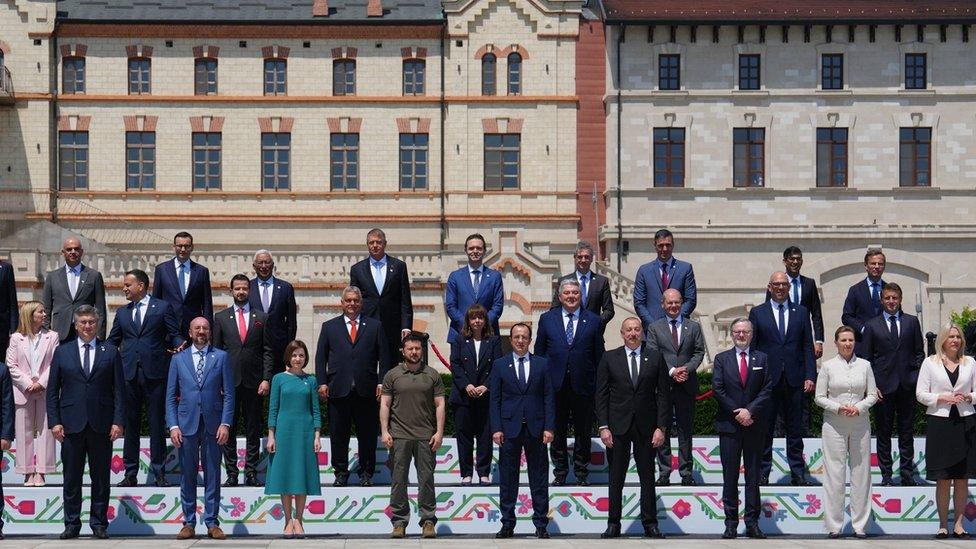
x=276, y=297
x=473, y=283
x=385, y=285
x=184, y=283
x=69, y=287
x=864, y=298
x=661, y=274
x=594, y=288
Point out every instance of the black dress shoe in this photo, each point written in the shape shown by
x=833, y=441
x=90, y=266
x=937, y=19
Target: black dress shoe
x=231, y=481
x=860, y=535
x=505, y=532
x=251, y=480
x=833, y=535
x=653, y=532
x=799, y=481
x=559, y=481
x=908, y=481
x=688, y=481
x=127, y=482
x=161, y=482
x=764, y=481
x=366, y=481
x=755, y=533
x=612, y=531
x=99, y=533
x=70, y=533
x=341, y=481
x=663, y=481
x=582, y=481
x=885, y=481
x=542, y=533
x=729, y=533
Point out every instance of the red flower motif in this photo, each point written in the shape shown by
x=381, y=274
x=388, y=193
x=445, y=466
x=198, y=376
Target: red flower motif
x=317, y=507
x=277, y=512
x=117, y=464
x=28, y=507
x=239, y=507
x=681, y=509
x=602, y=504
x=111, y=512
x=970, y=511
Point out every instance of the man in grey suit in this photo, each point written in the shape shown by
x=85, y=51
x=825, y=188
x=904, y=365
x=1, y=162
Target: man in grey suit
x=595, y=289
x=681, y=342
x=69, y=287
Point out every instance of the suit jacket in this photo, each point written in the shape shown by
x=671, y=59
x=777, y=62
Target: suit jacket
x=810, y=299
x=467, y=368
x=391, y=305
x=731, y=395
x=460, y=295
x=6, y=406
x=578, y=361
x=198, y=300
x=792, y=357
x=19, y=362
x=690, y=351
x=147, y=345
x=619, y=404
x=511, y=403
x=187, y=401
x=858, y=308
x=598, y=297
x=895, y=362
x=648, y=290
x=346, y=366
x=60, y=306
x=9, y=310
x=282, y=326
x=75, y=400
x=251, y=361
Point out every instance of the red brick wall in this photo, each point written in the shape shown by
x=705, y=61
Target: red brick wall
x=591, y=127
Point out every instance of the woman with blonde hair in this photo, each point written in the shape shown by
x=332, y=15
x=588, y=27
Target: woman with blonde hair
x=947, y=386
x=29, y=359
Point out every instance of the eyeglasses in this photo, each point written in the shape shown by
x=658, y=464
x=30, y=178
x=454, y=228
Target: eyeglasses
x=741, y=332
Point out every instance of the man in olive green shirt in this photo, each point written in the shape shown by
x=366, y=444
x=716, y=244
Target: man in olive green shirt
x=412, y=414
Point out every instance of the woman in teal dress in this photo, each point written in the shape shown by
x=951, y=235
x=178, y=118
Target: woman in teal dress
x=294, y=422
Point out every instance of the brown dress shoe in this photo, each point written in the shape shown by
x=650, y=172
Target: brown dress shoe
x=428, y=530
x=399, y=531
x=216, y=533
x=186, y=533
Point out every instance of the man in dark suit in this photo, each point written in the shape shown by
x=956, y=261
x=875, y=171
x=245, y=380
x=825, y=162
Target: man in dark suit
x=782, y=331
x=473, y=283
x=86, y=411
x=682, y=343
x=276, y=297
x=184, y=284
x=571, y=340
x=148, y=333
x=633, y=409
x=893, y=345
x=350, y=361
x=242, y=332
x=6, y=423
x=385, y=284
x=522, y=414
x=743, y=385
x=9, y=310
x=69, y=287
x=595, y=288
x=659, y=275
x=864, y=298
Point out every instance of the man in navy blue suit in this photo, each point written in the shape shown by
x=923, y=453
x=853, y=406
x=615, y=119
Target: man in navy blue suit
x=148, y=333
x=276, y=297
x=6, y=423
x=523, y=416
x=659, y=275
x=184, y=284
x=571, y=340
x=864, y=298
x=8, y=306
x=385, y=284
x=86, y=411
x=743, y=385
x=782, y=330
x=350, y=361
x=470, y=284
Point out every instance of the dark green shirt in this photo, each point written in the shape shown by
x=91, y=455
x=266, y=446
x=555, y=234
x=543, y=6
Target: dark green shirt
x=413, y=415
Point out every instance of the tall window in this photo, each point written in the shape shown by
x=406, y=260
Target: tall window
x=344, y=77
x=669, y=157
x=140, y=160
x=915, y=168
x=915, y=68
x=413, y=161
x=73, y=165
x=206, y=160
x=275, y=77
x=344, y=159
x=413, y=76
x=488, y=71
x=832, y=71
x=73, y=75
x=140, y=72
x=669, y=72
x=749, y=71
x=831, y=157
x=503, y=152
x=748, y=157
x=275, y=161
x=205, y=76
x=514, y=74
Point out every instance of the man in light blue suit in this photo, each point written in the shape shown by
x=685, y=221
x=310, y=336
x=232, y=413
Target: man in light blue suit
x=659, y=275
x=473, y=283
x=199, y=412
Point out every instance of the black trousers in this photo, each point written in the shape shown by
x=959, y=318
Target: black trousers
x=788, y=402
x=365, y=413
x=747, y=446
x=508, y=477
x=580, y=407
x=895, y=411
x=684, y=425
x=471, y=426
x=97, y=449
x=4, y=343
x=249, y=405
x=620, y=462
x=151, y=392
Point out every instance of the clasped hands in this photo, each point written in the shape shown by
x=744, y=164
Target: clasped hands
x=475, y=392
x=954, y=398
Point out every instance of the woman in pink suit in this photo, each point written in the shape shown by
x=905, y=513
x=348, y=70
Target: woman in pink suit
x=29, y=359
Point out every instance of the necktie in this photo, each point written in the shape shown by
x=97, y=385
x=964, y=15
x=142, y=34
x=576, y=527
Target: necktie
x=87, y=363
x=477, y=282
x=379, y=277
x=241, y=324
x=782, y=321
x=137, y=316
x=796, y=290
x=73, y=282
x=521, y=371
x=201, y=356
x=674, y=333
x=183, y=280
x=352, y=330
x=633, y=368
x=584, y=282
x=265, y=296
x=876, y=297
x=743, y=368
x=893, y=326
x=569, y=330
x=664, y=277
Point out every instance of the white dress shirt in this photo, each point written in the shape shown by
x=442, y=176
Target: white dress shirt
x=143, y=307
x=74, y=278
x=266, y=286
x=247, y=314
x=348, y=320
x=480, y=269
x=515, y=364
x=887, y=320
x=189, y=269
x=786, y=313
x=576, y=320
x=81, y=353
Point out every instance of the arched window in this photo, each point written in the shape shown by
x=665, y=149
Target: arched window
x=514, y=74
x=488, y=63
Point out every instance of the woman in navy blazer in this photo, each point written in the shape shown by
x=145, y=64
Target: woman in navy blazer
x=471, y=358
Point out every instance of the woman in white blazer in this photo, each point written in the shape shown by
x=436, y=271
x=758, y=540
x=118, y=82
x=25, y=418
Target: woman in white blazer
x=846, y=391
x=29, y=359
x=947, y=386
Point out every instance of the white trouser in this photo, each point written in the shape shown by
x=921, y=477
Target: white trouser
x=846, y=438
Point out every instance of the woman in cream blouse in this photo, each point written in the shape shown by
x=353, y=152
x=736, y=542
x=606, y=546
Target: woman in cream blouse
x=846, y=390
x=946, y=386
